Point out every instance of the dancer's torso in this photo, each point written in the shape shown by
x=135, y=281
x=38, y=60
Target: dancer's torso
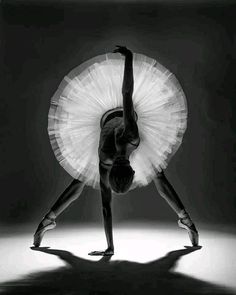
x=114, y=140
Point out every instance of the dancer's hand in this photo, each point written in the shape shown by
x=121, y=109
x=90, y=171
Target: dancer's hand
x=107, y=252
x=122, y=50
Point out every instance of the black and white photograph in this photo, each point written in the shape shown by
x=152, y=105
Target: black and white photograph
x=118, y=147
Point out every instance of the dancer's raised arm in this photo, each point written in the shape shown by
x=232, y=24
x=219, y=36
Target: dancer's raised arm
x=127, y=86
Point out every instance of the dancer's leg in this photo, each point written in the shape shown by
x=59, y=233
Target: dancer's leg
x=70, y=194
x=166, y=191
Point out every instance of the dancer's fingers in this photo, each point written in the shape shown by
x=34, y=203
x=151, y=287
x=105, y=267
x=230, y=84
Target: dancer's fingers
x=96, y=253
x=121, y=47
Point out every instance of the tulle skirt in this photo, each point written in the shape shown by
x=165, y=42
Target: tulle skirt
x=93, y=88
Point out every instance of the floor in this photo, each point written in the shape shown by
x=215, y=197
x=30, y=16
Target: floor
x=150, y=258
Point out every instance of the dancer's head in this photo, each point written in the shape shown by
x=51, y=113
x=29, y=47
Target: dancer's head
x=121, y=175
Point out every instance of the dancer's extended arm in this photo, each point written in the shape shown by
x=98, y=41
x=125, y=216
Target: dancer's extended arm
x=131, y=127
x=106, y=195
x=127, y=89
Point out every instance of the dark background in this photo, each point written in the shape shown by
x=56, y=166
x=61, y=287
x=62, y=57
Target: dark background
x=41, y=42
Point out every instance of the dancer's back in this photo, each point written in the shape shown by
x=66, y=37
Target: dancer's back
x=113, y=138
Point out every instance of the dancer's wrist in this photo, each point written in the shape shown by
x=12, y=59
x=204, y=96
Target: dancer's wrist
x=129, y=53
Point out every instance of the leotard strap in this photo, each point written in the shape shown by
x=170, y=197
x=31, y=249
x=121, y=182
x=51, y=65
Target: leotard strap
x=106, y=164
x=117, y=112
x=135, y=144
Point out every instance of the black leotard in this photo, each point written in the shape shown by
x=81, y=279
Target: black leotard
x=113, y=138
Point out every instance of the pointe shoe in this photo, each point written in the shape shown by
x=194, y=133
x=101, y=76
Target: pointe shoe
x=38, y=236
x=192, y=231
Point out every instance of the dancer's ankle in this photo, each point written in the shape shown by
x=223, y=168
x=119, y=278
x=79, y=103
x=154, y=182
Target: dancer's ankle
x=185, y=218
x=50, y=215
x=183, y=214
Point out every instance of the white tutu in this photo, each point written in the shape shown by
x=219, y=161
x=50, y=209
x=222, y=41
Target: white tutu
x=95, y=87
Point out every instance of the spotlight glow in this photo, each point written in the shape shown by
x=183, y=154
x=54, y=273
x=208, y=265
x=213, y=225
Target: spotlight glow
x=142, y=243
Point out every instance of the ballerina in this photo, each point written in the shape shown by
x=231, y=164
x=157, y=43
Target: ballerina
x=114, y=124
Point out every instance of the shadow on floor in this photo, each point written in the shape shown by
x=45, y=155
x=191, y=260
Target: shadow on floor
x=85, y=277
